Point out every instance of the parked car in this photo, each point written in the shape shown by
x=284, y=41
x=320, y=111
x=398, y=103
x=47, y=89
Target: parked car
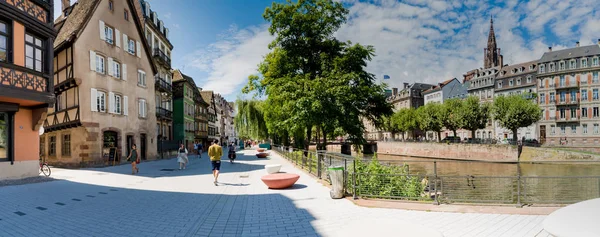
x=451, y=139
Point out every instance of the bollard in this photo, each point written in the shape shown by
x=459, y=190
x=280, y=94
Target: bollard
x=319, y=165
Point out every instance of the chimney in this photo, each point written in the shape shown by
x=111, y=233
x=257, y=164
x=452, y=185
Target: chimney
x=405, y=85
x=549, y=49
x=394, y=91
x=65, y=4
x=577, y=44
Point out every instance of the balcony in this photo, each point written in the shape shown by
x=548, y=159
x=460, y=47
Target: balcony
x=161, y=85
x=567, y=120
x=201, y=134
x=164, y=114
x=25, y=84
x=571, y=84
x=162, y=57
x=568, y=102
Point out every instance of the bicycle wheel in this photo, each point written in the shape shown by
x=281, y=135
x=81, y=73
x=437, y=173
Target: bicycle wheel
x=46, y=170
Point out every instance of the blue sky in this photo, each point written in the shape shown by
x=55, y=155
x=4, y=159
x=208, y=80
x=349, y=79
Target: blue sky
x=220, y=42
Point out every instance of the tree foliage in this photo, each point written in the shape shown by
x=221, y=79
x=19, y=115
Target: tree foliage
x=515, y=111
x=406, y=120
x=451, y=114
x=312, y=79
x=475, y=115
x=431, y=118
x=250, y=121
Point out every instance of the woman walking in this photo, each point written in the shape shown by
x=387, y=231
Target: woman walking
x=182, y=156
x=133, y=158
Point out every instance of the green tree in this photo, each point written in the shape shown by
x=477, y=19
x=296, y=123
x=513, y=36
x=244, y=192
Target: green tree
x=250, y=121
x=515, y=111
x=431, y=118
x=313, y=78
x=475, y=115
x=406, y=120
x=451, y=114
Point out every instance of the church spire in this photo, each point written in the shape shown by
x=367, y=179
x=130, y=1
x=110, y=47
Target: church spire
x=492, y=57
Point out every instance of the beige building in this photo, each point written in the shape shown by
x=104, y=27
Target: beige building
x=104, y=100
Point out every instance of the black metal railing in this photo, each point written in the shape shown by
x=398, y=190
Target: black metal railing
x=162, y=85
x=164, y=113
x=162, y=57
x=435, y=182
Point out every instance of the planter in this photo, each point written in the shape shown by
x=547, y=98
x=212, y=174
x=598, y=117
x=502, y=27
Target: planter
x=261, y=149
x=262, y=155
x=272, y=169
x=280, y=180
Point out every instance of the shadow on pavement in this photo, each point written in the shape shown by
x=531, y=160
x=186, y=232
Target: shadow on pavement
x=66, y=208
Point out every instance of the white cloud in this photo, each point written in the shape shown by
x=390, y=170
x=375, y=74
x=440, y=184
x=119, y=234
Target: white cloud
x=168, y=15
x=230, y=60
x=421, y=40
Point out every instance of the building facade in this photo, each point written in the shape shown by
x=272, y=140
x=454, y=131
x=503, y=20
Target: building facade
x=230, y=126
x=213, y=124
x=568, y=87
x=157, y=36
x=103, y=101
x=185, y=98
x=451, y=88
x=517, y=79
x=201, y=121
x=26, y=87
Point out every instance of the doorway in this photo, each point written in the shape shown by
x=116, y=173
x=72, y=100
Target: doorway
x=129, y=144
x=542, y=134
x=143, y=146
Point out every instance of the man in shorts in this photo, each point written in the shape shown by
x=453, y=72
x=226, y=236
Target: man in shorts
x=215, y=152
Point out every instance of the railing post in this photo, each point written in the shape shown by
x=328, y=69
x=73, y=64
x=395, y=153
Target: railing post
x=346, y=175
x=519, y=185
x=354, y=195
x=436, y=201
x=318, y=164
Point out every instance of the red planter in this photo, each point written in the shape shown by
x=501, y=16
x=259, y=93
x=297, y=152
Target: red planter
x=262, y=155
x=261, y=149
x=280, y=180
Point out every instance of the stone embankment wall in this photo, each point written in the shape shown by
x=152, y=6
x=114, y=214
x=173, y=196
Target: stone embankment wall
x=480, y=152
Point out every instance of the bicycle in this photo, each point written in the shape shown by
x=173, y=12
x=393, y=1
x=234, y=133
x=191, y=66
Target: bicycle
x=44, y=168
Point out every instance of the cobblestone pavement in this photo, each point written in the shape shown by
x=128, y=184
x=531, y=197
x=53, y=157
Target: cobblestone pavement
x=164, y=201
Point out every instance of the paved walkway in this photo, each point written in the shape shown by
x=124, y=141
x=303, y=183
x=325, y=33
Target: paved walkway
x=158, y=202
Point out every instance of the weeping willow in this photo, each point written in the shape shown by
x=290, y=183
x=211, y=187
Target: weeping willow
x=250, y=120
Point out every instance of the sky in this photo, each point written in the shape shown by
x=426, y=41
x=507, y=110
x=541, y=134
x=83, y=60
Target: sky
x=220, y=42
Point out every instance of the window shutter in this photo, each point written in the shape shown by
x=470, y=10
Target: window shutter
x=124, y=72
x=145, y=109
x=125, y=43
x=139, y=49
x=111, y=103
x=110, y=67
x=140, y=108
x=92, y=60
x=94, y=99
x=125, y=106
x=117, y=38
x=102, y=33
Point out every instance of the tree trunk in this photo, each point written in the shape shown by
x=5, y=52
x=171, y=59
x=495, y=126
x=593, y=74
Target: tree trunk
x=324, y=140
x=439, y=136
x=515, y=138
x=308, y=136
x=454, y=131
x=318, y=137
x=473, y=136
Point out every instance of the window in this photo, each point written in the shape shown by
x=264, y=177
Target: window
x=111, y=5
x=142, y=112
x=126, y=15
x=52, y=148
x=542, y=98
x=563, y=81
x=551, y=65
x=595, y=61
x=131, y=48
x=510, y=83
x=596, y=130
x=116, y=72
x=573, y=96
x=573, y=64
x=42, y=146
x=585, y=130
x=552, y=97
x=595, y=112
x=529, y=79
x=595, y=77
x=573, y=113
x=595, y=94
x=109, y=34
x=518, y=81
x=117, y=104
x=499, y=84
x=584, y=62
x=5, y=141
x=563, y=130
x=141, y=78
x=101, y=101
x=584, y=94
x=552, y=129
x=574, y=129
x=542, y=68
x=563, y=113
x=584, y=112
x=100, y=64
x=4, y=39
x=34, y=48
x=563, y=96
x=66, y=145
x=561, y=66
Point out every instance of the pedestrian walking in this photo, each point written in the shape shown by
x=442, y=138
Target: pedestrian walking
x=200, y=150
x=215, y=152
x=231, y=152
x=182, y=158
x=134, y=159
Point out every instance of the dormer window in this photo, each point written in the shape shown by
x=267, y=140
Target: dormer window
x=584, y=62
x=542, y=68
x=595, y=61
x=573, y=64
x=528, y=79
x=499, y=84
x=561, y=66
x=518, y=81
x=551, y=67
x=514, y=71
x=510, y=82
x=531, y=67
